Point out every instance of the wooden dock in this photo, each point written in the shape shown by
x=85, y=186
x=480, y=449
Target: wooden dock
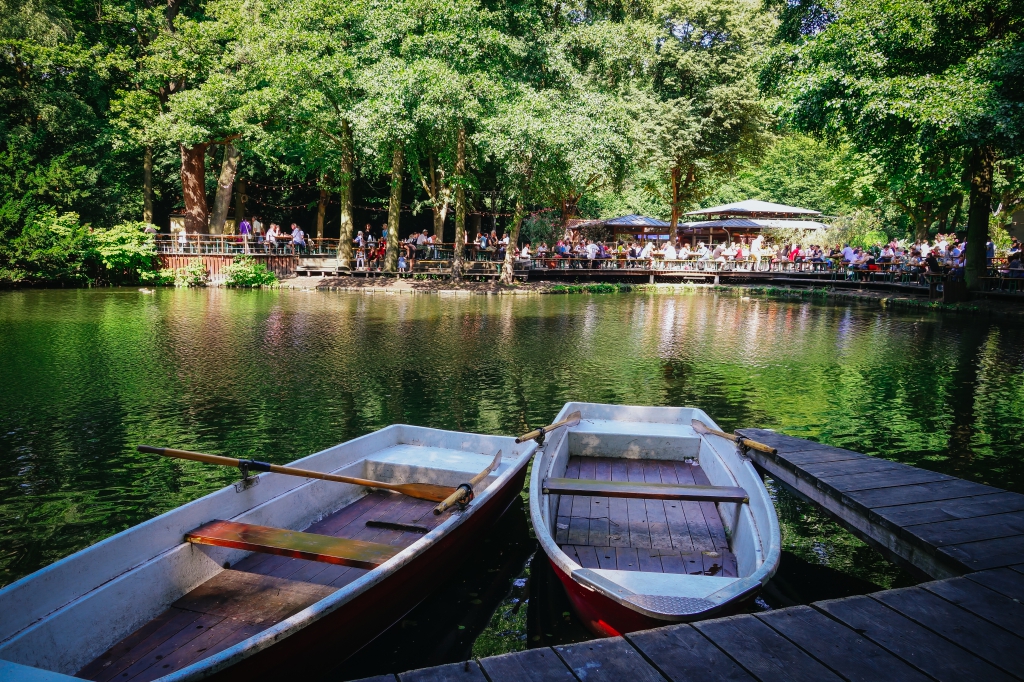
x=968, y=628
x=968, y=625
x=935, y=525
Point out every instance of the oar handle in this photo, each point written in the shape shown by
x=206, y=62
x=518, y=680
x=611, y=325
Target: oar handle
x=572, y=420
x=453, y=499
x=702, y=428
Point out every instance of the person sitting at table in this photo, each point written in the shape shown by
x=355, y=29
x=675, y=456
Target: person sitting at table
x=887, y=254
x=361, y=258
x=668, y=255
x=270, y=242
x=298, y=238
x=1015, y=268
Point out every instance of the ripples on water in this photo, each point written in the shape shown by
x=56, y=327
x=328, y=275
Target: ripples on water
x=87, y=375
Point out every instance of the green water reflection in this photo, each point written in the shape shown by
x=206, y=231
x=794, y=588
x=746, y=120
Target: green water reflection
x=87, y=375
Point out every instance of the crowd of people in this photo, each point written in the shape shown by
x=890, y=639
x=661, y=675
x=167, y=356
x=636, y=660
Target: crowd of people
x=945, y=254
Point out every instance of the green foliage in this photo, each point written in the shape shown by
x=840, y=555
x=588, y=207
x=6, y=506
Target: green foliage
x=246, y=272
x=52, y=249
x=126, y=252
x=59, y=249
x=599, y=288
x=194, y=274
x=798, y=170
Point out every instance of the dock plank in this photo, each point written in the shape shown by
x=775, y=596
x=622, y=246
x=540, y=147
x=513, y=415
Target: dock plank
x=910, y=494
x=995, y=553
x=959, y=531
x=1005, y=581
x=469, y=671
x=915, y=644
x=983, y=639
x=765, y=653
x=855, y=658
x=994, y=607
x=532, y=665
x=682, y=654
x=607, y=660
x=882, y=479
x=934, y=511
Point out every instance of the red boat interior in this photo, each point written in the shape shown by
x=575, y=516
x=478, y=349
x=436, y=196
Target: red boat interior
x=656, y=536
x=267, y=586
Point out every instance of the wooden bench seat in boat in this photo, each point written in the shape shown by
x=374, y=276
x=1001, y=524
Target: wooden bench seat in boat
x=647, y=491
x=291, y=543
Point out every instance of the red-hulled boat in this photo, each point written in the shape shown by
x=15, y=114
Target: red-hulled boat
x=282, y=579
x=647, y=522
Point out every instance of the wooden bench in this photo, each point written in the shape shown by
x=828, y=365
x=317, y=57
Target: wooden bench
x=647, y=491
x=293, y=543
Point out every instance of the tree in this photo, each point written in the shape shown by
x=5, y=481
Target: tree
x=900, y=76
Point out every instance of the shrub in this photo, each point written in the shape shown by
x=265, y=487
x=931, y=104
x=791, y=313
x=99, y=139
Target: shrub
x=246, y=272
x=51, y=249
x=194, y=274
x=127, y=253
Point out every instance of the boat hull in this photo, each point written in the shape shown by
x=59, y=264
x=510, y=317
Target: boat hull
x=328, y=642
x=607, y=618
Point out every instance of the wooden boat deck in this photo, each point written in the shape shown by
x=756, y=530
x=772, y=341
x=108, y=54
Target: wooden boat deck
x=256, y=593
x=655, y=536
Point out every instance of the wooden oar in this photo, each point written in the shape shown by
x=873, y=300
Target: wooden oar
x=572, y=420
x=466, y=489
x=704, y=430
x=422, y=491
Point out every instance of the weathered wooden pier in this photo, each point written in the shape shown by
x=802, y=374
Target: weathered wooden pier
x=968, y=625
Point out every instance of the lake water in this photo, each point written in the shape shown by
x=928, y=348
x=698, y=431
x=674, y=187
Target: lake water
x=275, y=375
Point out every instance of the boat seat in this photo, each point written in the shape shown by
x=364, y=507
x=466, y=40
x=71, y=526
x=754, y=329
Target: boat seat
x=292, y=543
x=648, y=491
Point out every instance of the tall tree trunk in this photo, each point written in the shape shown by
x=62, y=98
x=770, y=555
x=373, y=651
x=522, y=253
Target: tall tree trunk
x=240, y=199
x=321, y=213
x=508, y=275
x=394, y=209
x=982, y=160
x=460, y=206
x=147, y=185
x=225, y=185
x=347, y=181
x=676, y=172
x=193, y=188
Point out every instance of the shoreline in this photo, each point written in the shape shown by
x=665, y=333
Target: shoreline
x=883, y=300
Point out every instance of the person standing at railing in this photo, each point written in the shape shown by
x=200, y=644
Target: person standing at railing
x=182, y=240
x=257, y=230
x=668, y=256
x=245, y=229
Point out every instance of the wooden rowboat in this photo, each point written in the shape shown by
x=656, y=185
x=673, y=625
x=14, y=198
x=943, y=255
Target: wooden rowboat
x=647, y=522
x=289, y=577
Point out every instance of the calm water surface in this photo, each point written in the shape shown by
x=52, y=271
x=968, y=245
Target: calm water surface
x=87, y=375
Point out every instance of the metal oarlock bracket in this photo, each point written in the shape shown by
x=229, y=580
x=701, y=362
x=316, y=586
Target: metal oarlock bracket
x=741, y=445
x=247, y=480
x=540, y=439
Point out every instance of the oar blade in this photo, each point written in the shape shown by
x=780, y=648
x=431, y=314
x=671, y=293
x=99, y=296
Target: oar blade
x=491, y=467
x=573, y=419
x=425, y=491
x=700, y=427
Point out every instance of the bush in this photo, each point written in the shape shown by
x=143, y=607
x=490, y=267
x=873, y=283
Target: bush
x=50, y=249
x=246, y=272
x=58, y=249
x=127, y=253
x=194, y=274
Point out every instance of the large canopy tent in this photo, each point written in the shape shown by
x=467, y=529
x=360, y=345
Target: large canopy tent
x=749, y=217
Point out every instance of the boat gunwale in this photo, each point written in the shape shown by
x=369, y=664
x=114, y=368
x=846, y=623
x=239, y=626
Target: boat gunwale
x=738, y=589
x=336, y=600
